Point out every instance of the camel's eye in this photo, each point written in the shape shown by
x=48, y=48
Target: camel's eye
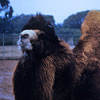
x=24, y=36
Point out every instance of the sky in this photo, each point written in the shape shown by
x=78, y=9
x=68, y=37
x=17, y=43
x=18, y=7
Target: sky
x=60, y=9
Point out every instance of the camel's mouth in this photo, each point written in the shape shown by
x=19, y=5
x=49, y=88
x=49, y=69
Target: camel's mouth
x=24, y=44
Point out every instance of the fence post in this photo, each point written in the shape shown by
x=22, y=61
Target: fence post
x=3, y=46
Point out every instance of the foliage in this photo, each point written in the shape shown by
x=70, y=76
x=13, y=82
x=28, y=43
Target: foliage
x=50, y=19
x=68, y=33
x=70, y=27
x=5, y=26
x=4, y=4
x=15, y=24
x=9, y=13
x=19, y=21
x=75, y=20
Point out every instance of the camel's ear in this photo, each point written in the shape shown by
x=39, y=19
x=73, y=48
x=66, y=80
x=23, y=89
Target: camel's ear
x=43, y=37
x=84, y=28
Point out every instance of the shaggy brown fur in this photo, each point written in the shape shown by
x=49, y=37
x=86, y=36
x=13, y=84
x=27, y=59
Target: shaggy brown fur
x=46, y=73
x=87, y=55
x=91, y=23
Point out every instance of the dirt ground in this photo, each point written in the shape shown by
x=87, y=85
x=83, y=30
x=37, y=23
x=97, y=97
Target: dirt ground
x=10, y=52
x=6, y=72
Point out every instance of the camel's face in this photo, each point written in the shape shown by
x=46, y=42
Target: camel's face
x=26, y=37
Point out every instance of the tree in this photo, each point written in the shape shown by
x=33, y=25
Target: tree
x=50, y=18
x=19, y=21
x=5, y=25
x=75, y=20
x=9, y=13
x=4, y=4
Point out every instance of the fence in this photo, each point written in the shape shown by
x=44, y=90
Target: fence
x=9, y=48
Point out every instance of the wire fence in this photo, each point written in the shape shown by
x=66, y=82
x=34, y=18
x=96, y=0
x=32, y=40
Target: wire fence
x=8, y=46
x=10, y=50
